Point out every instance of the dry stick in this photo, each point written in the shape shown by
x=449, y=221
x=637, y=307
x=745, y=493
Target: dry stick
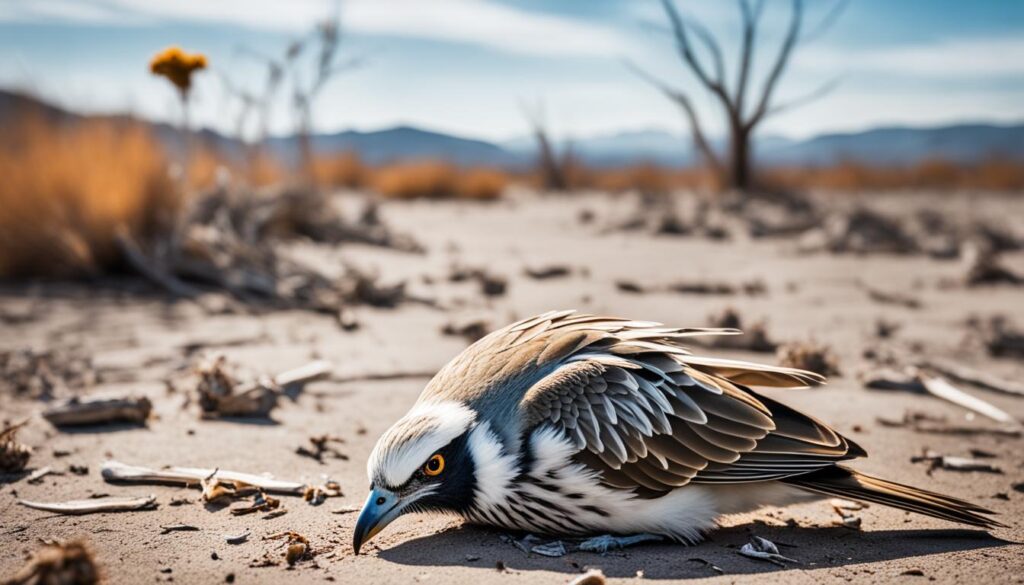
x=311, y=371
x=115, y=471
x=133, y=254
x=942, y=429
x=941, y=388
x=972, y=376
x=93, y=505
x=91, y=411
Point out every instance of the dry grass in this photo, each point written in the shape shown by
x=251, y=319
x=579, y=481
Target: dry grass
x=437, y=180
x=345, y=170
x=651, y=179
x=935, y=174
x=259, y=169
x=67, y=189
x=481, y=184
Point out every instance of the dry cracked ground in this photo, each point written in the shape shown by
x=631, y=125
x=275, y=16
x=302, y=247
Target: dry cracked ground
x=141, y=342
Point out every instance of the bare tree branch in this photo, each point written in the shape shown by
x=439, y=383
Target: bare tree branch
x=826, y=22
x=699, y=138
x=818, y=93
x=750, y=16
x=682, y=38
x=713, y=47
x=553, y=168
x=246, y=99
x=706, y=37
x=743, y=112
x=785, y=51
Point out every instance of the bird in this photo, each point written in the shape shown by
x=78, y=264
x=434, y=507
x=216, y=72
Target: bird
x=610, y=430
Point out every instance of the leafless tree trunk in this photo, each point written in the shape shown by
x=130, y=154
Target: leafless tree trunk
x=553, y=168
x=743, y=112
x=328, y=38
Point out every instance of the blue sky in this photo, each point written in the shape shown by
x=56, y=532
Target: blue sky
x=466, y=66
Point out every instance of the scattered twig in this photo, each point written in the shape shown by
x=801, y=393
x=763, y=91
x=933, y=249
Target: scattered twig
x=470, y=330
x=491, y=285
x=220, y=394
x=59, y=563
x=814, y=356
x=95, y=411
x=694, y=287
x=38, y=475
x=893, y=298
x=951, y=463
x=546, y=272
x=754, y=337
x=941, y=388
x=298, y=546
x=919, y=381
x=167, y=529
x=972, y=376
x=322, y=446
x=94, y=505
x=260, y=503
x=237, y=538
x=922, y=423
x=14, y=456
x=316, y=495
x=114, y=471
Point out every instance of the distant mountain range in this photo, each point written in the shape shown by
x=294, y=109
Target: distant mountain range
x=890, y=145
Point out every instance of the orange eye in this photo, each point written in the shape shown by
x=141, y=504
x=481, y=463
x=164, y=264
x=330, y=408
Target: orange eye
x=435, y=466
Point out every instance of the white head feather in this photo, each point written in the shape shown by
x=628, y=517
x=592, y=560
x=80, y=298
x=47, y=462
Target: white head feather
x=408, y=444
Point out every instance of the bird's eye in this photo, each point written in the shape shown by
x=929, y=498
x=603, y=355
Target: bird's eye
x=434, y=466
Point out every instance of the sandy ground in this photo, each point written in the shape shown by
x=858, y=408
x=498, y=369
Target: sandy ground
x=137, y=337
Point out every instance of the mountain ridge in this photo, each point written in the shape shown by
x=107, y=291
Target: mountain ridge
x=967, y=142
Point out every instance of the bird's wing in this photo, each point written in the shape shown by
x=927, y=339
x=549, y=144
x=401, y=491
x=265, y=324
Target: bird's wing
x=649, y=416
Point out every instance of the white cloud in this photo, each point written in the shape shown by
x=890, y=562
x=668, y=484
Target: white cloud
x=64, y=11
x=944, y=60
x=475, y=22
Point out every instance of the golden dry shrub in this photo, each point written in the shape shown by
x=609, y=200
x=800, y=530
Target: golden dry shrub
x=481, y=184
x=416, y=180
x=205, y=162
x=177, y=66
x=345, y=170
x=998, y=174
x=937, y=173
x=992, y=174
x=643, y=177
x=262, y=169
x=68, y=187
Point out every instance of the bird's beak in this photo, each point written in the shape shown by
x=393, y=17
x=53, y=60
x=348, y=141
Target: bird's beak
x=381, y=508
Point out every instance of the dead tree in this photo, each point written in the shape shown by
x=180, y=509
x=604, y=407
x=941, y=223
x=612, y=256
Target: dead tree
x=554, y=168
x=743, y=112
x=261, y=103
x=327, y=38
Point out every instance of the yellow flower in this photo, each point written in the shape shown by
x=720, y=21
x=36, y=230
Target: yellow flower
x=177, y=66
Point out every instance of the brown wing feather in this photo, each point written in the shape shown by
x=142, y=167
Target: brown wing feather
x=649, y=416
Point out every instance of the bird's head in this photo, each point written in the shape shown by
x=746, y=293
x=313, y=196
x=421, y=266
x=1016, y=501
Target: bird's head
x=423, y=462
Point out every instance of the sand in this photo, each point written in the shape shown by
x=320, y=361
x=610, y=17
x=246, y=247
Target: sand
x=136, y=336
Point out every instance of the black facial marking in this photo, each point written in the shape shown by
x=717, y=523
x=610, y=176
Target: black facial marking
x=456, y=482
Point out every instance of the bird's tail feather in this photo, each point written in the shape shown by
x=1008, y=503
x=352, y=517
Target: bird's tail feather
x=838, y=481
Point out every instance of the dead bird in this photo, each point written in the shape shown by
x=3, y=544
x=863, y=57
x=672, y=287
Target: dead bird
x=586, y=426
